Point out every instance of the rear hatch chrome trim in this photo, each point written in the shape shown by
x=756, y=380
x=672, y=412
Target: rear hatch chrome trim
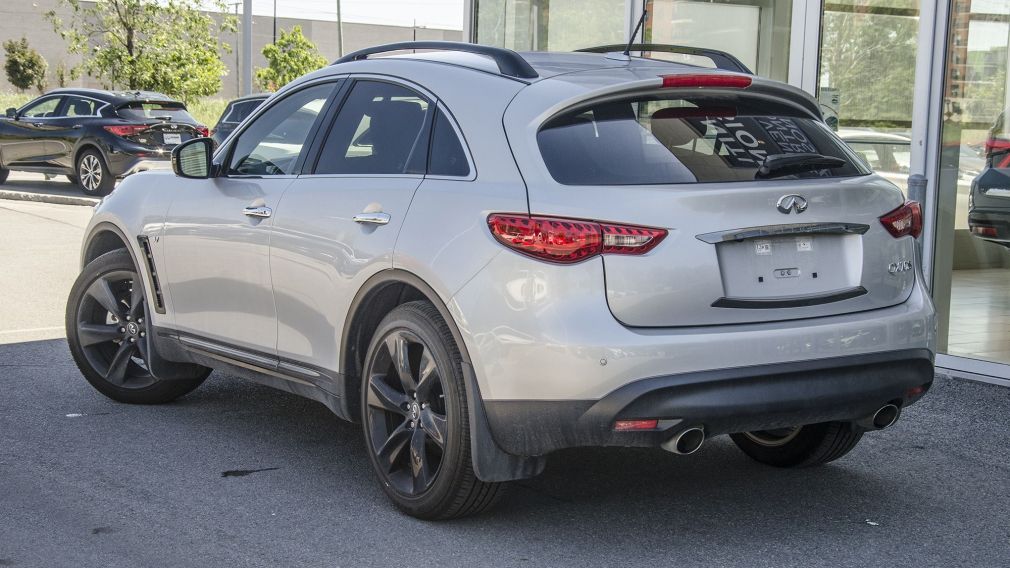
x=784, y=230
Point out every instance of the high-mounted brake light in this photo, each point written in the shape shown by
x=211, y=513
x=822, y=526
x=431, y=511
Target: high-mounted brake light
x=570, y=240
x=706, y=80
x=126, y=129
x=905, y=220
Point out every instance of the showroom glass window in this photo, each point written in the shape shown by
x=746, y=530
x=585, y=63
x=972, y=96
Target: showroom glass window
x=549, y=25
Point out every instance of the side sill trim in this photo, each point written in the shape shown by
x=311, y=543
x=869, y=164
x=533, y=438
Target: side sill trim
x=794, y=302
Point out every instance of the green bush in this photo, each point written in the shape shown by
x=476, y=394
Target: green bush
x=25, y=67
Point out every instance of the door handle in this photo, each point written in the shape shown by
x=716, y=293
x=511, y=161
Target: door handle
x=372, y=218
x=38, y=124
x=259, y=211
x=76, y=126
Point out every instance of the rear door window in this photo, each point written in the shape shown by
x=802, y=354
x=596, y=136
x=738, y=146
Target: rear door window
x=659, y=140
x=240, y=110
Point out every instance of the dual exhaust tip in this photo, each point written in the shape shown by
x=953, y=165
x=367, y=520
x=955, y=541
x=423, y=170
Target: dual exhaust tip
x=690, y=440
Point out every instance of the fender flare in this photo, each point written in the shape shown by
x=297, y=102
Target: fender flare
x=490, y=462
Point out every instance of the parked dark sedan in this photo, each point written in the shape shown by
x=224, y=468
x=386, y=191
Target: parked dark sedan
x=233, y=115
x=93, y=136
x=989, y=200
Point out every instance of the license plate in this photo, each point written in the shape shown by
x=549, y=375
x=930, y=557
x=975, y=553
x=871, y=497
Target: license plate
x=173, y=138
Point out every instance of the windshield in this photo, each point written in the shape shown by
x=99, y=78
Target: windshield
x=657, y=140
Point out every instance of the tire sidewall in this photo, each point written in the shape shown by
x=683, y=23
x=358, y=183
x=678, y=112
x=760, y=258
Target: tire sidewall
x=447, y=359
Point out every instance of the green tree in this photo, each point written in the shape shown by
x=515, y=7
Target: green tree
x=25, y=67
x=290, y=57
x=168, y=46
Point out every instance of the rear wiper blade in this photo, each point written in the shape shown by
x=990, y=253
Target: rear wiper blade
x=778, y=165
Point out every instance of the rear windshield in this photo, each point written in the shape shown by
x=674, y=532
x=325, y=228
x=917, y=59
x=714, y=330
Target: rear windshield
x=658, y=140
x=176, y=112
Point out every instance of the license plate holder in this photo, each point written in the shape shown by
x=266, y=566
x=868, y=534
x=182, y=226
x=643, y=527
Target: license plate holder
x=172, y=138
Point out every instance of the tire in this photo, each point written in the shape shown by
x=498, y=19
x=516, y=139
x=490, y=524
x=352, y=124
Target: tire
x=111, y=355
x=806, y=446
x=425, y=469
x=93, y=175
x=73, y=180
x=4, y=172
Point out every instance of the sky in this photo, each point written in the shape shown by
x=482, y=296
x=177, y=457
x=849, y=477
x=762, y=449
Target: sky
x=446, y=14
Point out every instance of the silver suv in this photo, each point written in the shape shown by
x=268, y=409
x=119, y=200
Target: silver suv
x=485, y=257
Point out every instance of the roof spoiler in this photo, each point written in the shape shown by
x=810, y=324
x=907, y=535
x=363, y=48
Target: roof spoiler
x=721, y=59
x=509, y=62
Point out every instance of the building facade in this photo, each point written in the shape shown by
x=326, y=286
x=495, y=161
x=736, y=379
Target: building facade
x=916, y=87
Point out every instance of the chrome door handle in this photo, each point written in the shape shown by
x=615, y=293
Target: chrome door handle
x=372, y=218
x=258, y=211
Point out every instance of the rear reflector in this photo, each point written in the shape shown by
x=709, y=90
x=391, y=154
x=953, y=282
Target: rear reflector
x=632, y=425
x=706, y=80
x=126, y=129
x=570, y=240
x=985, y=231
x=905, y=220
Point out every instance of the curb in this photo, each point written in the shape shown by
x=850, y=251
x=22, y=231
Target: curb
x=48, y=198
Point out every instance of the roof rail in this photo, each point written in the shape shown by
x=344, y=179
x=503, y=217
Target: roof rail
x=721, y=59
x=509, y=62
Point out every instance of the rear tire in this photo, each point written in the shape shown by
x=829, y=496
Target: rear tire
x=108, y=333
x=415, y=420
x=811, y=445
x=73, y=180
x=4, y=172
x=93, y=175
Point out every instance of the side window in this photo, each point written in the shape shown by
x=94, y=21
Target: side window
x=45, y=108
x=447, y=157
x=272, y=143
x=380, y=129
x=78, y=106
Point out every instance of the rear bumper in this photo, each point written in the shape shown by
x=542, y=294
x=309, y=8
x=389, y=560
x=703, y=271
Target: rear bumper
x=998, y=219
x=722, y=401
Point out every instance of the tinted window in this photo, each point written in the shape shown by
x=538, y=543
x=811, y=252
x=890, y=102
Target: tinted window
x=447, y=156
x=45, y=108
x=169, y=110
x=79, y=106
x=240, y=110
x=272, y=143
x=652, y=140
x=380, y=130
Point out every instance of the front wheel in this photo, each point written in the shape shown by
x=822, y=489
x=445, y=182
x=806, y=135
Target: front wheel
x=800, y=446
x=108, y=330
x=414, y=414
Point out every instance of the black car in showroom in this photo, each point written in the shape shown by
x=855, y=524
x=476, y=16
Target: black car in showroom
x=94, y=137
x=233, y=115
x=989, y=200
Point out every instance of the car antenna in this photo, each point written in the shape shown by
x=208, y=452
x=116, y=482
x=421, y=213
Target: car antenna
x=634, y=34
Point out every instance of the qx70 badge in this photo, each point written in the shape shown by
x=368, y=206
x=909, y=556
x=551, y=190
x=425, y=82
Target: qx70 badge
x=789, y=203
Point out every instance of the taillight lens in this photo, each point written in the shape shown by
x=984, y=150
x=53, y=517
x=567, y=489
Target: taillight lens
x=905, y=220
x=203, y=130
x=570, y=240
x=126, y=129
x=999, y=150
x=706, y=80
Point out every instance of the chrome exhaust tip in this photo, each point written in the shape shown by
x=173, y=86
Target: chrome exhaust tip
x=686, y=442
x=886, y=416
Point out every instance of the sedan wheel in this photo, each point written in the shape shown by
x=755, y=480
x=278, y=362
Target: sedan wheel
x=92, y=174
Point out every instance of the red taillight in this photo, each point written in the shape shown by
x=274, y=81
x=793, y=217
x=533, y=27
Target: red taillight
x=905, y=220
x=126, y=129
x=570, y=240
x=707, y=80
x=203, y=130
x=998, y=146
x=632, y=425
x=985, y=231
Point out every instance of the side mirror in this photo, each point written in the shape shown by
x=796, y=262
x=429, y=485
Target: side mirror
x=12, y=112
x=192, y=159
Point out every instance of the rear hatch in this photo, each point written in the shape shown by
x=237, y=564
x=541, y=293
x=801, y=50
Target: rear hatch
x=802, y=238
x=157, y=124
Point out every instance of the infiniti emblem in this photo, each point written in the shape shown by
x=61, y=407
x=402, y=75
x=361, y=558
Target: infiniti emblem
x=789, y=203
x=132, y=328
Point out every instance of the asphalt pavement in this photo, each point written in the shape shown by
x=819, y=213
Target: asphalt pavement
x=240, y=475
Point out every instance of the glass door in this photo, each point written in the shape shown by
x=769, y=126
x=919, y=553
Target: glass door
x=971, y=271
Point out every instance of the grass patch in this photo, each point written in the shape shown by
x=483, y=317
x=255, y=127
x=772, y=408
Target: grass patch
x=205, y=111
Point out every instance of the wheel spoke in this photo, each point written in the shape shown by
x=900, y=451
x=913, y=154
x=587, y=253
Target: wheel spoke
x=117, y=367
x=393, y=447
x=102, y=293
x=419, y=470
x=137, y=299
x=434, y=425
x=427, y=376
x=381, y=395
x=142, y=349
x=397, y=346
x=92, y=333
